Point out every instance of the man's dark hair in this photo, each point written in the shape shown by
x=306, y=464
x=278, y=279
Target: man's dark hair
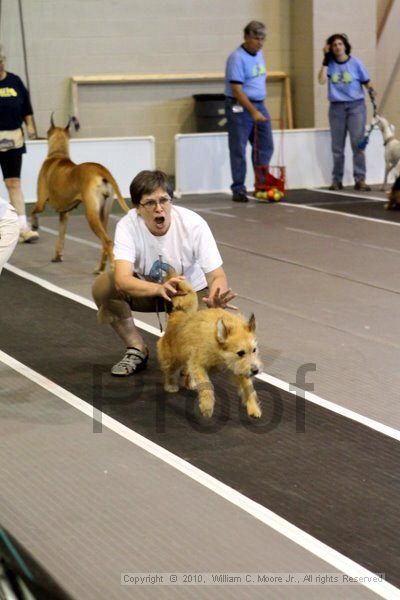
x=340, y=36
x=255, y=28
x=146, y=182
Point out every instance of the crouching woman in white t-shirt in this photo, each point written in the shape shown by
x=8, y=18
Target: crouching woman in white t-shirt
x=152, y=238
x=9, y=231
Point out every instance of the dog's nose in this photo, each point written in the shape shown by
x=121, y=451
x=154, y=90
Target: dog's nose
x=254, y=370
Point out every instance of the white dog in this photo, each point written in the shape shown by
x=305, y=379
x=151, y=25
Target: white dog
x=392, y=147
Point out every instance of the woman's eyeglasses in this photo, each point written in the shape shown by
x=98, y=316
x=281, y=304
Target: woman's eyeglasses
x=152, y=204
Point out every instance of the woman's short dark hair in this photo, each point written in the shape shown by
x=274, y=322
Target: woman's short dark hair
x=146, y=182
x=340, y=36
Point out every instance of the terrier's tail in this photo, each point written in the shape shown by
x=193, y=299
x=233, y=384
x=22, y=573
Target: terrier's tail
x=186, y=300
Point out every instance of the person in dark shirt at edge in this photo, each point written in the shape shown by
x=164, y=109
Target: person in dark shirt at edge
x=15, y=109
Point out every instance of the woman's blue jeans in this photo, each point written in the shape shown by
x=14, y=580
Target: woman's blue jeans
x=348, y=117
x=241, y=129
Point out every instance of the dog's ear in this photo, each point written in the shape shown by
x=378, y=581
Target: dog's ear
x=68, y=124
x=252, y=323
x=222, y=331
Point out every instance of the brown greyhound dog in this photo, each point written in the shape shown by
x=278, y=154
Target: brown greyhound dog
x=65, y=184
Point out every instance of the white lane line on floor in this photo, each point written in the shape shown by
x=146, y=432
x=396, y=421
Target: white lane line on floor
x=206, y=209
x=341, y=202
x=331, y=406
x=339, y=239
x=71, y=237
x=220, y=211
x=366, y=196
x=263, y=514
x=217, y=213
x=75, y=297
x=274, y=381
x=94, y=245
x=338, y=213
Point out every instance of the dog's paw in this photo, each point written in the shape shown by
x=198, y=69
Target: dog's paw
x=187, y=380
x=206, y=409
x=391, y=205
x=57, y=258
x=171, y=388
x=190, y=383
x=254, y=410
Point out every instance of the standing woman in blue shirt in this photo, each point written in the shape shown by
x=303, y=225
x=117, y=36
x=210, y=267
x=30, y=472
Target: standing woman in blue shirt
x=15, y=108
x=245, y=92
x=346, y=76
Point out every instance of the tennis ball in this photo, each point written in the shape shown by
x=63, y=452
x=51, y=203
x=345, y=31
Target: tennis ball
x=277, y=196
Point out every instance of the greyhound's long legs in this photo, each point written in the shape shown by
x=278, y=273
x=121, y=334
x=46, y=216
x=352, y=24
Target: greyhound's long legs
x=62, y=228
x=92, y=214
x=104, y=214
x=42, y=197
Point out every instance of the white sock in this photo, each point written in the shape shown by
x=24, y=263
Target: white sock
x=23, y=223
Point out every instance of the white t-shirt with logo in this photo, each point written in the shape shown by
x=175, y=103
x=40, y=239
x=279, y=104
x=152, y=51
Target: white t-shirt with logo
x=188, y=247
x=3, y=207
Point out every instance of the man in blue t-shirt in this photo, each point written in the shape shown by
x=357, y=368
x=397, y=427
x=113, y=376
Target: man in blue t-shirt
x=248, y=119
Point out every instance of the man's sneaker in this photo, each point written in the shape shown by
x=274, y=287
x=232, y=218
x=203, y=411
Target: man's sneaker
x=133, y=361
x=27, y=236
x=335, y=186
x=361, y=186
x=240, y=197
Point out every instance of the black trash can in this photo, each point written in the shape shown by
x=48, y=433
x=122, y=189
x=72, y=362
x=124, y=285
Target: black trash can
x=209, y=110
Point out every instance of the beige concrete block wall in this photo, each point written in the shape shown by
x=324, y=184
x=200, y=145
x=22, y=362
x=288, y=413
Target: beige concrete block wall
x=71, y=37
x=356, y=18
x=382, y=7
x=301, y=71
x=388, y=59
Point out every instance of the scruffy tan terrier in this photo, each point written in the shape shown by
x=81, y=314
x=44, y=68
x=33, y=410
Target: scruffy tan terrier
x=197, y=341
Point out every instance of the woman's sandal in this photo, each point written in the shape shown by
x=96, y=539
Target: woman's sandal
x=133, y=361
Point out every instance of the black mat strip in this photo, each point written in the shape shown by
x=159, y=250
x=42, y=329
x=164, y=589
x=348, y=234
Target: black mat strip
x=332, y=477
x=365, y=207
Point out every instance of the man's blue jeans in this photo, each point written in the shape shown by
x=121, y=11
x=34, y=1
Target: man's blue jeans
x=347, y=117
x=241, y=129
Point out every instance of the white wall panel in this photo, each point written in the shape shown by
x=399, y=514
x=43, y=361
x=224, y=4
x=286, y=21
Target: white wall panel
x=124, y=157
x=202, y=160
